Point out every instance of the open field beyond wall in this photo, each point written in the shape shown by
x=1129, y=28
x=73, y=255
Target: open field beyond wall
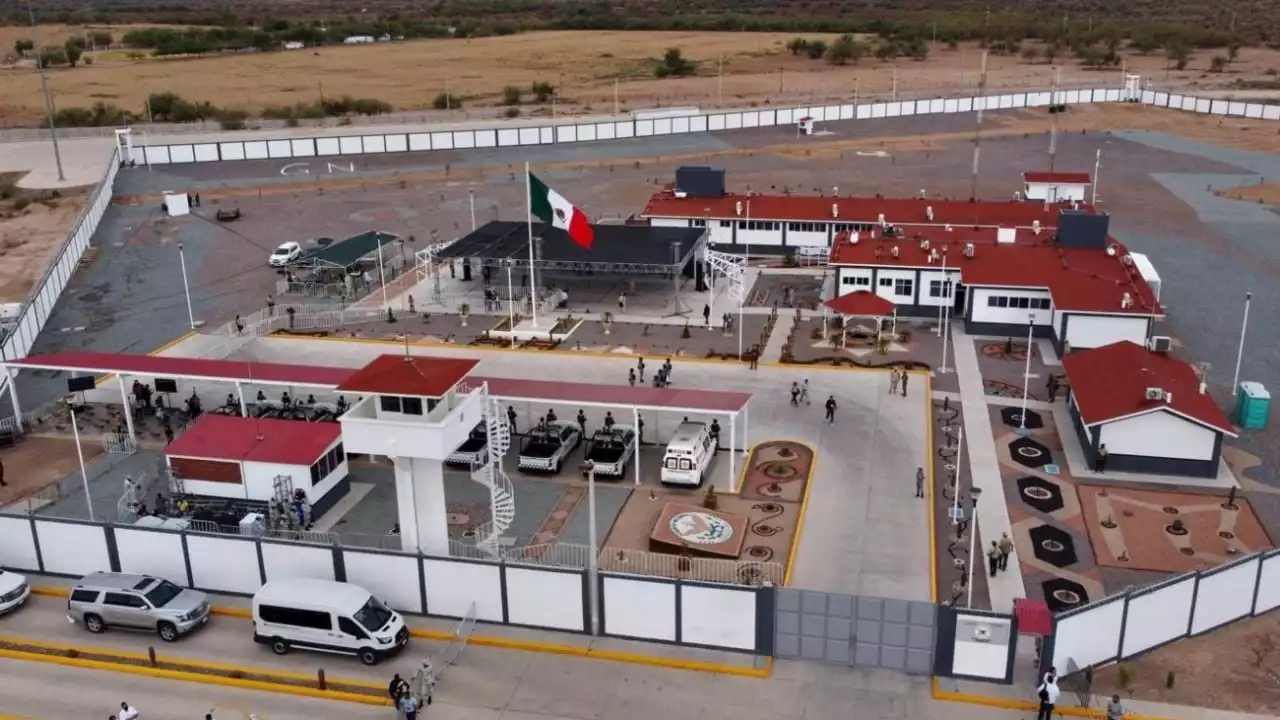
x=757, y=70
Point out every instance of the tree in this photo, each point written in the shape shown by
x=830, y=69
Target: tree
x=1218, y=63
x=673, y=64
x=1144, y=41
x=73, y=51
x=1233, y=50
x=845, y=50
x=543, y=91
x=1180, y=55
x=101, y=39
x=816, y=50
x=511, y=95
x=797, y=46
x=446, y=101
x=51, y=56
x=887, y=51
x=917, y=49
x=1050, y=52
x=21, y=46
x=1031, y=54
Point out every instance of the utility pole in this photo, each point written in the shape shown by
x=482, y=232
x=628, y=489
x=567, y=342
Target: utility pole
x=977, y=127
x=1053, y=128
x=48, y=96
x=617, y=109
x=720, y=81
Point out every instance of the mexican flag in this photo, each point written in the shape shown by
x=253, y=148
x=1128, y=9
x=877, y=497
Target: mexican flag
x=551, y=208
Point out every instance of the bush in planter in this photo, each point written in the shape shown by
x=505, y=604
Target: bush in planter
x=464, y=310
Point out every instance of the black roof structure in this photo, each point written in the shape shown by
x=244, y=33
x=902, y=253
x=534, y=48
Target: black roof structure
x=345, y=253
x=617, y=248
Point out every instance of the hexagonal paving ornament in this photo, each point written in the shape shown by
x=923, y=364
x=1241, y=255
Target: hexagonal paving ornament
x=1029, y=453
x=1040, y=494
x=1053, y=545
x=1012, y=416
x=1061, y=594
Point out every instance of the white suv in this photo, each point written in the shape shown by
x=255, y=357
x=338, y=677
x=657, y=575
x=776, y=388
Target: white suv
x=14, y=591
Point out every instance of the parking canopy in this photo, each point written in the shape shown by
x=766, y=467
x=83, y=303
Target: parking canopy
x=345, y=253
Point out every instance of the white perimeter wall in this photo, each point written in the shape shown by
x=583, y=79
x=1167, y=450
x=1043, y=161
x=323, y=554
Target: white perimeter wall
x=642, y=609
x=149, y=552
x=1224, y=596
x=1091, y=637
x=1158, y=616
x=17, y=544
x=718, y=616
x=452, y=586
x=1091, y=331
x=1158, y=434
x=293, y=560
x=224, y=563
x=545, y=598
x=72, y=548
x=1268, y=591
x=393, y=579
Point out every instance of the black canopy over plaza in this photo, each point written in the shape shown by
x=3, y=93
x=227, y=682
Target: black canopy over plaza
x=618, y=249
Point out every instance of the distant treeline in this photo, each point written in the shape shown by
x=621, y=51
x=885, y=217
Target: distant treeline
x=170, y=107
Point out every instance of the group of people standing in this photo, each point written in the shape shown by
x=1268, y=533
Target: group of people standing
x=898, y=378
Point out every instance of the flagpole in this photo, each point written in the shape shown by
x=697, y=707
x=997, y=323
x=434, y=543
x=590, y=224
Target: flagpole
x=528, y=205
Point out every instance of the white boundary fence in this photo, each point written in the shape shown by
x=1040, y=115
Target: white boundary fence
x=40, y=303
x=570, y=132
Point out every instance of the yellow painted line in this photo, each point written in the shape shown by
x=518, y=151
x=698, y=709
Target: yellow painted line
x=931, y=511
x=804, y=510
x=1027, y=705
x=198, y=678
x=103, y=378
x=479, y=640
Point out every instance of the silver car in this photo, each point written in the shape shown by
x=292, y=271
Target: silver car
x=137, y=602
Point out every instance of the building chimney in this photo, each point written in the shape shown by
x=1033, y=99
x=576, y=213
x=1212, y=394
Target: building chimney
x=1204, y=387
x=968, y=250
x=928, y=212
x=835, y=210
x=1168, y=398
x=739, y=207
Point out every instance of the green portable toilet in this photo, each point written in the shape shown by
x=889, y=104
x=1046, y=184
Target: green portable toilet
x=1253, y=404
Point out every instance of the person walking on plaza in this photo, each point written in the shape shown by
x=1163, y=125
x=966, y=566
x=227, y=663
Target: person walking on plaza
x=622, y=302
x=511, y=417
x=2, y=482
x=905, y=377
x=640, y=369
x=582, y=421
x=706, y=315
x=919, y=482
x=831, y=409
x=893, y=381
x=795, y=394
x=127, y=712
x=631, y=377
x=804, y=392
x=993, y=558
x=1006, y=549
x=1048, y=695
x=408, y=705
x=1052, y=388
x=397, y=688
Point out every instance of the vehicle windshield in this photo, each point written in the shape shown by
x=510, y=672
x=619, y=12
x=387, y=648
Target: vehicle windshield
x=162, y=593
x=374, y=615
x=281, y=251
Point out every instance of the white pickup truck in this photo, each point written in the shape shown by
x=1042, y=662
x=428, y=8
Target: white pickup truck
x=610, y=449
x=472, y=452
x=546, y=447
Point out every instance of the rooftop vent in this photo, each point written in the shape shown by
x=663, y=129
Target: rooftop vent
x=928, y=212
x=894, y=251
x=968, y=250
x=924, y=244
x=1035, y=226
x=854, y=237
x=1127, y=259
x=948, y=227
x=1126, y=301
x=835, y=210
x=1155, y=393
x=1161, y=344
x=738, y=207
x=1006, y=236
x=881, y=219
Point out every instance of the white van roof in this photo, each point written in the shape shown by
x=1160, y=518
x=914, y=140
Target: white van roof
x=687, y=433
x=303, y=592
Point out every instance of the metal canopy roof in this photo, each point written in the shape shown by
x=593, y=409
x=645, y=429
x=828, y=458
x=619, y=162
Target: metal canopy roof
x=601, y=395
x=346, y=253
x=187, y=368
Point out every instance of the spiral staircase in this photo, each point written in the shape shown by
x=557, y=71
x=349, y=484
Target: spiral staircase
x=502, y=501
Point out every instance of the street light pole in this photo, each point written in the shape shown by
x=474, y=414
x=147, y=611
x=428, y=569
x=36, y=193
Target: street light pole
x=1244, y=326
x=593, y=571
x=472, y=195
x=382, y=275
x=84, y=476
x=973, y=543
x=1026, y=372
x=186, y=287
x=511, y=304
x=48, y=96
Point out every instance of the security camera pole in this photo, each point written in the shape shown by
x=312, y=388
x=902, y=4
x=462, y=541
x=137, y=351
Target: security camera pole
x=593, y=571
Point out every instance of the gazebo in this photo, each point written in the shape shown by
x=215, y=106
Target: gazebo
x=862, y=304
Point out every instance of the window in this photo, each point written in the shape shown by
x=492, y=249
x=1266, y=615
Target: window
x=297, y=618
x=411, y=405
x=856, y=280
x=697, y=223
x=374, y=615
x=686, y=464
x=1023, y=303
x=1002, y=301
x=84, y=596
x=807, y=227
x=937, y=290
x=327, y=464
x=349, y=626
x=123, y=600
x=671, y=463
x=163, y=592
x=886, y=282
x=726, y=223
x=903, y=286
x=1043, y=304
x=389, y=403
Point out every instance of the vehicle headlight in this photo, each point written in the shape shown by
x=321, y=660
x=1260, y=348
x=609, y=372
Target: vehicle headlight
x=384, y=641
x=14, y=594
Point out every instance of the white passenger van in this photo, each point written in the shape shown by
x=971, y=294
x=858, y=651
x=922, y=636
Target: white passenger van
x=326, y=616
x=689, y=454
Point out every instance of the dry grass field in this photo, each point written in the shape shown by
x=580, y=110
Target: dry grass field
x=757, y=70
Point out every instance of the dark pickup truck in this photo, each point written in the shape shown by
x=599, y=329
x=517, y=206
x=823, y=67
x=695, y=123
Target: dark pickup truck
x=547, y=446
x=610, y=450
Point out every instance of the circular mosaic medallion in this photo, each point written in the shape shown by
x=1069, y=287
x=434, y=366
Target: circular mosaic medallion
x=1052, y=546
x=1169, y=510
x=779, y=471
x=1066, y=597
x=700, y=528
x=1033, y=453
x=1176, y=530
x=1226, y=535
x=1037, y=493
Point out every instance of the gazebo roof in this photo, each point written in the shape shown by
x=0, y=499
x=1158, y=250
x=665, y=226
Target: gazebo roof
x=862, y=303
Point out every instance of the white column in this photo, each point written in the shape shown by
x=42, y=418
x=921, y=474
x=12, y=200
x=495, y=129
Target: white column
x=424, y=524
x=244, y=411
x=635, y=423
x=733, y=436
x=13, y=395
x=128, y=409
x=746, y=427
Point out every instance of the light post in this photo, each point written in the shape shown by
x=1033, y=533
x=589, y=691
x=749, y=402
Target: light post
x=48, y=96
x=1248, y=297
x=955, y=491
x=382, y=275
x=974, y=492
x=511, y=304
x=593, y=572
x=186, y=287
x=472, y=193
x=84, y=476
x=1026, y=375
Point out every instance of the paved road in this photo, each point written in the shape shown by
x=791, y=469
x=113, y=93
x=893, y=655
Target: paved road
x=486, y=684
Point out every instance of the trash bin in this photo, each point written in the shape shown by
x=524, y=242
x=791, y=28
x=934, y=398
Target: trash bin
x=1253, y=405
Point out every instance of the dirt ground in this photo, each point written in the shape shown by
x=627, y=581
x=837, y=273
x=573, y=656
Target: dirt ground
x=1262, y=193
x=31, y=233
x=37, y=462
x=756, y=69
x=1217, y=670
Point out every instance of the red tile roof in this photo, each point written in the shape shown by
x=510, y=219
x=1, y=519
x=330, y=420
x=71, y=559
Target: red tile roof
x=1078, y=280
x=1058, y=178
x=266, y=440
x=862, y=303
x=1110, y=382
x=188, y=368
x=815, y=208
x=642, y=397
x=417, y=375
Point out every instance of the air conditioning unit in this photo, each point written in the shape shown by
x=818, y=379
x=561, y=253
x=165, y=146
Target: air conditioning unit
x=894, y=251
x=835, y=210
x=924, y=244
x=1161, y=343
x=1035, y=227
x=853, y=239
x=681, y=194
x=928, y=212
x=1155, y=394
x=738, y=207
x=1127, y=259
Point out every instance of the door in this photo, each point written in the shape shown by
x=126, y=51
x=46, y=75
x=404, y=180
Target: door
x=125, y=610
x=351, y=635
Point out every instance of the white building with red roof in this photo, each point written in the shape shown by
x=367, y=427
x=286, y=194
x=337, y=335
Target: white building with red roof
x=1055, y=187
x=1149, y=410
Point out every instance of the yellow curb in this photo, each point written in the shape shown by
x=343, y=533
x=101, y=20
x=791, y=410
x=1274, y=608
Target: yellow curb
x=480, y=640
x=196, y=678
x=103, y=378
x=930, y=452
x=1026, y=705
x=804, y=510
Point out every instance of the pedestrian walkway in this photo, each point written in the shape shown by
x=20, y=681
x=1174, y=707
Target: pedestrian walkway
x=772, y=352
x=992, y=512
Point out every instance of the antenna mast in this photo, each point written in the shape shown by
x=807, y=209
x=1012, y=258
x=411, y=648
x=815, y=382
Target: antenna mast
x=977, y=128
x=1053, y=110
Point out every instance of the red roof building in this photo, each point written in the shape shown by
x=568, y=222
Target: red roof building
x=861, y=303
x=1147, y=409
x=1057, y=178
x=412, y=375
x=263, y=440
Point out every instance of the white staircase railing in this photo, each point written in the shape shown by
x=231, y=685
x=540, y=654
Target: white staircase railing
x=502, y=500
